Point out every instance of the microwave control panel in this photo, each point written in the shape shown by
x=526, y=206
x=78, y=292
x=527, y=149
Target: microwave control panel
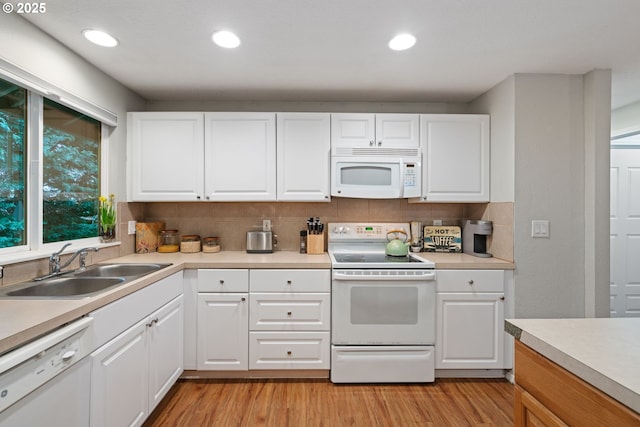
x=411, y=180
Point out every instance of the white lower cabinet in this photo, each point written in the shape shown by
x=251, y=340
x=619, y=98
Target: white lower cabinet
x=223, y=320
x=223, y=330
x=133, y=371
x=470, y=319
x=263, y=319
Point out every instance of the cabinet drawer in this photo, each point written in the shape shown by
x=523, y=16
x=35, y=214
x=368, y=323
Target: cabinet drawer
x=289, y=350
x=470, y=281
x=274, y=312
x=214, y=280
x=290, y=280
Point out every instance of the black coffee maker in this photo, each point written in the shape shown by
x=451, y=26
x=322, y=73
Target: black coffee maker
x=474, y=237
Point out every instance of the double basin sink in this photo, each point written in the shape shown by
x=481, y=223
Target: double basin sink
x=80, y=283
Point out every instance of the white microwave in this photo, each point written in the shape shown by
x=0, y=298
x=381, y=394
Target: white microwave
x=376, y=177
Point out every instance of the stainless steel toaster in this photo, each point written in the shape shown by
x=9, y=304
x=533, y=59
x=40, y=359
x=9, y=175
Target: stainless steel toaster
x=259, y=242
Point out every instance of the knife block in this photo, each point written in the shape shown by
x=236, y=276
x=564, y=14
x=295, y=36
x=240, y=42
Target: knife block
x=315, y=244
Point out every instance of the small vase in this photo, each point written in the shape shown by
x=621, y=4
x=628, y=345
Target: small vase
x=107, y=233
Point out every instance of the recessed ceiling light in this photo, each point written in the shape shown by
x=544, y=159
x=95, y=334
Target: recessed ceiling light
x=100, y=38
x=402, y=42
x=226, y=39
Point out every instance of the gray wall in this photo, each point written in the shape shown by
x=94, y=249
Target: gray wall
x=551, y=125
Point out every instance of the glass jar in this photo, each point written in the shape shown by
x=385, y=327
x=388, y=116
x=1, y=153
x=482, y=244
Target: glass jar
x=169, y=241
x=210, y=244
x=190, y=244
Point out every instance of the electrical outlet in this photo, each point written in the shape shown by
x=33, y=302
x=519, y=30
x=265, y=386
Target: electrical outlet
x=266, y=225
x=131, y=227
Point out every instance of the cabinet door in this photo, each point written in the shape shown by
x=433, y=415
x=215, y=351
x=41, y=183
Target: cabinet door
x=469, y=330
x=119, y=380
x=167, y=156
x=352, y=130
x=223, y=332
x=398, y=130
x=303, y=146
x=240, y=156
x=165, y=349
x=455, y=150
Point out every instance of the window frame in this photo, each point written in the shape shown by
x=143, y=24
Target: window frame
x=35, y=247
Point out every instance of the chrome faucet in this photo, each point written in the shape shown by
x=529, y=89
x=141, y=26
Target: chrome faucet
x=54, y=259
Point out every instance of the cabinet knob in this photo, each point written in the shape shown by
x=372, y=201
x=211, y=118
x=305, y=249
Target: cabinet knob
x=198, y=197
x=371, y=143
x=288, y=313
x=288, y=282
x=502, y=298
x=289, y=352
x=222, y=281
x=208, y=198
x=471, y=282
x=379, y=143
x=243, y=299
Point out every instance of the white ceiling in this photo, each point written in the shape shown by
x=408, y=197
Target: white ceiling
x=336, y=50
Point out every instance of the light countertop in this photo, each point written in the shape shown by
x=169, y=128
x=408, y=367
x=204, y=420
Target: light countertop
x=23, y=320
x=465, y=261
x=604, y=352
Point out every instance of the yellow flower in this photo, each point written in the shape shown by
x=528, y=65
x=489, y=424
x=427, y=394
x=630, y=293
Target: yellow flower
x=103, y=199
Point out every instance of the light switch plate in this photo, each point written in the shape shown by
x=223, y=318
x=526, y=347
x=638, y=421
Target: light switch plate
x=539, y=228
x=266, y=225
x=131, y=227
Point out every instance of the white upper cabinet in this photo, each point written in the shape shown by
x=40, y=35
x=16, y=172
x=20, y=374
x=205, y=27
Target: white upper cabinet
x=303, y=148
x=166, y=156
x=455, y=150
x=375, y=130
x=240, y=156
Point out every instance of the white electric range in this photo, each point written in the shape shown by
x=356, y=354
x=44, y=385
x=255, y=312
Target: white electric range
x=382, y=307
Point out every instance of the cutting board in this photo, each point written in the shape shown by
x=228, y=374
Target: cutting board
x=442, y=238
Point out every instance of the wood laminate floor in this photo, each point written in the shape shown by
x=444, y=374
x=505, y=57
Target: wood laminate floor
x=302, y=403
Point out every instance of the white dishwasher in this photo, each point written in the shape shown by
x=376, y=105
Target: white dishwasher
x=47, y=381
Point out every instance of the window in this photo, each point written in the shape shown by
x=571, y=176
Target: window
x=71, y=174
x=13, y=202
x=50, y=157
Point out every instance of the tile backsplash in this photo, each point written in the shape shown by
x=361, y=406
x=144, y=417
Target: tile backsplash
x=231, y=220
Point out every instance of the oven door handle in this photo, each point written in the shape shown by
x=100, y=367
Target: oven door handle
x=422, y=276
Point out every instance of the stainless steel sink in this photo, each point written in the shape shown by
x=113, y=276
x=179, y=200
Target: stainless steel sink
x=65, y=287
x=119, y=270
x=80, y=284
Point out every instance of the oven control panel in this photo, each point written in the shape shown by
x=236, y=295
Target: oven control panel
x=339, y=231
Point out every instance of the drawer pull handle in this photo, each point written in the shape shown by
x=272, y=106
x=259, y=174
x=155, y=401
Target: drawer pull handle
x=289, y=352
x=288, y=313
x=471, y=282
